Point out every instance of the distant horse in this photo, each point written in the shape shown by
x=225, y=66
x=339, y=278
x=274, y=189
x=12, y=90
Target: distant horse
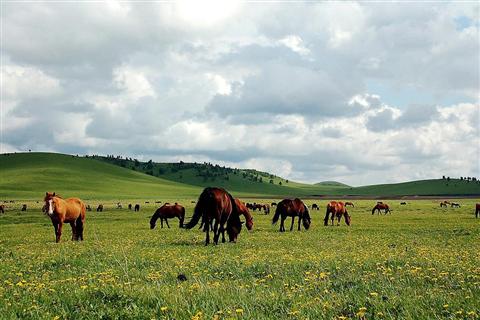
x=2, y=208
x=337, y=210
x=167, y=212
x=100, y=208
x=129, y=206
x=147, y=202
x=273, y=204
x=257, y=206
x=137, y=207
x=70, y=210
x=158, y=201
x=119, y=205
x=349, y=204
x=217, y=205
x=88, y=207
x=444, y=203
x=403, y=203
x=455, y=205
x=24, y=207
x=381, y=206
x=315, y=207
x=266, y=208
x=292, y=208
x=477, y=210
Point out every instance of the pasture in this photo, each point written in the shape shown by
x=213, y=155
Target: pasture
x=420, y=262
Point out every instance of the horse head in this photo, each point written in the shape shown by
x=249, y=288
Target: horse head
x=306, y=218
x=50, y=203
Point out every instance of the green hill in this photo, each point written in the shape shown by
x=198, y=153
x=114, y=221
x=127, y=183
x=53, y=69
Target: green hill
x=29, y=175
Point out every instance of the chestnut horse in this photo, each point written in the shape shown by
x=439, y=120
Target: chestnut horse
x=477, y=210
x=349, y=204
x=337, y=209
x=292, y=208
x=381, y=206
x=167, y=212
x=214, y=205
x=243, y=210
x=71, y=210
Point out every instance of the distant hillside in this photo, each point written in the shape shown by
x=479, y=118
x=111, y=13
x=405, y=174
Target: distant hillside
x=332, y=183
x=29, y=175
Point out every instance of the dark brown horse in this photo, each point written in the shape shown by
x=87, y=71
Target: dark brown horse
x=137, y=207
x=217, y=205
x=100, y=208
x=315, y=207
x=444, y=203
x=2, y=208
x=349, y=204
x=381, y=206
x=70, y=210
x=292, y=208
x=167, y=212
x=337, y=209
x=477, y=210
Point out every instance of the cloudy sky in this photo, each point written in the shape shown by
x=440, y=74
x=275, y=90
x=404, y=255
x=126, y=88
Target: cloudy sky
x=360, y=93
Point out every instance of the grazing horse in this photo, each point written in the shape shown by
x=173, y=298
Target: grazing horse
x=2, y=208
x=273, y=204
x=266, y=208
x=119, y=205
x=129, y=206
x=167, y=212
x=71, y=210
x=381, y=206
x=243, y=210
x=217, y=205
x=292, y=208
x=24, y=207
x=444, y=203
x=403, y=203
x=315, y=207
x=337, y=209
x=477, y=210
x=349, y=204
x=100, y=208
x=88, y=207
x=454, y=204
x=137, y=207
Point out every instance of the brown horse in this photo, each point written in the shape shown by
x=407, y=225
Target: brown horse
x=349, y=204
x=70, y=210
x=315, y=207
x=2, y=208
x=167, y=212
x=337, y=209
x=477, y=210
x=381, y=206
x=217, y=205
x=243, y=210
x=444, y=203
x=292, y=208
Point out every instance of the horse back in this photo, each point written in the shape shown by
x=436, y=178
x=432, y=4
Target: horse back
x=74, y=207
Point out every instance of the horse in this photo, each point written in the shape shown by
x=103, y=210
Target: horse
x=100, y=208
x=455, y=205
x=137, y=207
x=119, y=205
x=217, y=205
x=2, y=208
x=349, y=204
x=403, y=203
x=129, y=206
x=24, y=207
x=71, y=210
x=381, y=206
x=88, y=208
x=337, y=209
x=273, y=204
x=266, y=208
x=292, y=208
x=243, y=210
x=477, y=210
x=315, y=207
x=167, y=212
x=444, y=203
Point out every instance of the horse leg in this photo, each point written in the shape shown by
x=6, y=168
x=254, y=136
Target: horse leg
x=207, y=230
x=74, y=231
x=166, y=221
x=55, y=227
x=299, y=223
x=161, y=222
x=216, y=233
x=59, y=231
x=79, y=226
x=291, y=226
x=282, y=224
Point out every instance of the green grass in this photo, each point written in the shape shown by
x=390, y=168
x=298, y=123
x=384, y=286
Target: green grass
x=420, y=262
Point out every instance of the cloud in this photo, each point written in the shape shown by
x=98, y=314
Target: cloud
x=356, y=92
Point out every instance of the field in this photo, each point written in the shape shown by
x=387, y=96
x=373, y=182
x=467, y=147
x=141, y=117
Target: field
x=420, y=262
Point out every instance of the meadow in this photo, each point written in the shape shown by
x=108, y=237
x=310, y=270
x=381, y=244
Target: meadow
x=420, y=262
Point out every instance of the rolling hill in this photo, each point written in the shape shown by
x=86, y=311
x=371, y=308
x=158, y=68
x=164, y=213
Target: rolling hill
x=29, y=175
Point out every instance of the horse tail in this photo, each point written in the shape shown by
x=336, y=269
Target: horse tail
x=327, y=214
x=200, y=208
x=278, y=212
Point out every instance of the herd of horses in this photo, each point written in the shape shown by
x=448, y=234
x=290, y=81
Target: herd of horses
x=216, y=210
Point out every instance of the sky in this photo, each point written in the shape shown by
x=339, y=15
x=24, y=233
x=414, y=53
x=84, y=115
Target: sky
x=356, y=92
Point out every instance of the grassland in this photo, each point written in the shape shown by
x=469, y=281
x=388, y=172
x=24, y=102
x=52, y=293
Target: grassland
x=420, y=262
